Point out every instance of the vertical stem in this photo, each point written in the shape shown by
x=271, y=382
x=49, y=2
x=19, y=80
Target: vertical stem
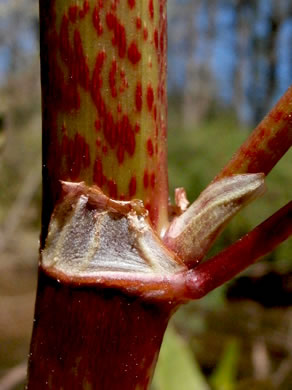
x=103, y=74
x=103, y=340
x=104, y=99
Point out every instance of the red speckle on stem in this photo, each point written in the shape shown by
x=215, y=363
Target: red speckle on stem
x=277, y=116
x=150, y=97
x=150, y=149
x=133, y=53
x=125, y=138
x=131, y=143
x=104, y=149
x=119, y=31
x=73, y=11
x=96, y=83
x=119, y=107
x=132, y=3
x=138, y=23
x=153, y=180
x=124, y=82
x=274, y=143
x=121, y=154
x=151, y=9
x=96, y=21
x=66, y=50
x=138, y=96
x=113, y=189
x=112, y=78
x=137, y=128
x=86, y=6
x=132, y=186
x=263, y=132
x=156, y=38
x=110, y=130
x=83, y=12
x=97, y=125
x=162, y=40
x=76, y=152
x=122, y=129
x=98, y=176
x=262, y=158
x=155, y=112
x=81, y=65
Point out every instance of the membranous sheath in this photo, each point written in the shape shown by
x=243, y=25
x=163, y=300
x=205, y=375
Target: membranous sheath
x=192, y=233
x=93, y=239
x=91, y=236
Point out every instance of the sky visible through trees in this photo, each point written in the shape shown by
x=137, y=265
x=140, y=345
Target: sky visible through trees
x=246, y=47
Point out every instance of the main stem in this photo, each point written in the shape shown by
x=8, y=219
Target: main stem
x=103, y=67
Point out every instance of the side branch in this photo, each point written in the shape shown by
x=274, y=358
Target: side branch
x=267, y=144
x=192, y=234
x=227, y=264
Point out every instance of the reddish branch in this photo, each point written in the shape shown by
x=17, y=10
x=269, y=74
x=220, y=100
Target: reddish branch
x=227, y=264
x=267, y=144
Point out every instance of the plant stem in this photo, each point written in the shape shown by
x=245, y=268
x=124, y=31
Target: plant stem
x=104, y=100
x=103, y=74
x=103, y=340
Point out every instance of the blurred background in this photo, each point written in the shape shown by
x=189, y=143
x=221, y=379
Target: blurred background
x=229, y=62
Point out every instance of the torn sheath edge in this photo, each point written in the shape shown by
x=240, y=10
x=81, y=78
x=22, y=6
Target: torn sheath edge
x=99, y=242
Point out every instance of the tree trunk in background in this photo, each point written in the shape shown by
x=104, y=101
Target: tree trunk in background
x=199, y=86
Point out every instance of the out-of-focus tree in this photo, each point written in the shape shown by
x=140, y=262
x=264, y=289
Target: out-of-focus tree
x=19, y=68
x=232, y=54
x=18, y=34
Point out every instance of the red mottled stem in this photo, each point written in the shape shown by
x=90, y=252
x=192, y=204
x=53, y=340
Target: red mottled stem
x=104, y=100
x=227, y=264
x=267, y=144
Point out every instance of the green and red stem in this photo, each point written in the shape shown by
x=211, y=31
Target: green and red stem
x=104, y=100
